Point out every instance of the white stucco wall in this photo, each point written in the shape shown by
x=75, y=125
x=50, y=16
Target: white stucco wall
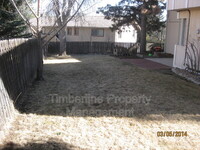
x=195, y=24
x=128, y=35
x=193, y=3
x=182, y=4
x=194, y=32
x=194, y=36
x=179, y=56
x=46, y=30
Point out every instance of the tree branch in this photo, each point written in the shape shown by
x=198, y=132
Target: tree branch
x=58, y=19
x=24, y=18
x=64, y=23
x=31, y=9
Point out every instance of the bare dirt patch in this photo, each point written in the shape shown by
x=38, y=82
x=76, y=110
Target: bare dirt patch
x=125, y=108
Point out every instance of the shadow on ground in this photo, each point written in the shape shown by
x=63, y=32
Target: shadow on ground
x=50, y=145
x=99, y=85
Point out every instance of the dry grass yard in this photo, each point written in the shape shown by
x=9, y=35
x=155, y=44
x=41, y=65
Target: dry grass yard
x=97, y=102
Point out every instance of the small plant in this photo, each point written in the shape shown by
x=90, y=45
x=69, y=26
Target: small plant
x=123, y=51
x=156, y=47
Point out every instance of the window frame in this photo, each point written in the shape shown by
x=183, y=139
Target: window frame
x=97, y=29
x=182, y=31
x=120, y=35
x=76, y=33
x=69, y=31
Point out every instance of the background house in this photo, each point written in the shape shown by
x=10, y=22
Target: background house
x=97, y=29
x=183, y=26
x=91, y=29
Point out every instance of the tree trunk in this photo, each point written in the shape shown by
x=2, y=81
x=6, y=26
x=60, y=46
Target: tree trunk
x=138, y=36
x=62, y=38
x=40, y=61
x=143, y=34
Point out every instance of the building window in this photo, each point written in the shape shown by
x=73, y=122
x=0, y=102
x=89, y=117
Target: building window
x=97, y=32
x=69, y=31
x=182, y=31
x=119, y=35
x=76, y=31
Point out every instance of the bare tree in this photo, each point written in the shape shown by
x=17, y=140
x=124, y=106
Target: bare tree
x=65, y=11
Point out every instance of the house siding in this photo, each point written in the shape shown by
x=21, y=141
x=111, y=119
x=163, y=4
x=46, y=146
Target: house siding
x=128, y=35
x=46, y=30
x=85, y=36
x=182, y=4
x=193, y=26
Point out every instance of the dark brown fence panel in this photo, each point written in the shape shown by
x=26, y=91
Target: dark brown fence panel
x=125, y=45
x=53, y=47
x=101, y=47
x=18, y=67
x=88, y=47
x=78, y=47
x=94, y=47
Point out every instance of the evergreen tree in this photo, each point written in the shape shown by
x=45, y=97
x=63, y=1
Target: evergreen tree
x=11, y=25
x=144, y=15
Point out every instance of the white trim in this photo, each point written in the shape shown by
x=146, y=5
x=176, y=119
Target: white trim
x=187, y=3
x=179, y=55
x=178, y=15
x=173, y=4
x=174, y=60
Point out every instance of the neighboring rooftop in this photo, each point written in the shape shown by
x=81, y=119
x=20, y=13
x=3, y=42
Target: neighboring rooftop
x=87, y=21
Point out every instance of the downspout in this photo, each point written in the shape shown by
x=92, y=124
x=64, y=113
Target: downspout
x=187, y=38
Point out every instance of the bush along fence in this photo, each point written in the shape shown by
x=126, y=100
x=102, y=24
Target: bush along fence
x=92, y=48
x=18, y=67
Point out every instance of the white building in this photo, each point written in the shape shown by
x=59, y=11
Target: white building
x=183, y=27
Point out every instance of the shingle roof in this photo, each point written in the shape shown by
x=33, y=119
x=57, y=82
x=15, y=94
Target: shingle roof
x=87, y=21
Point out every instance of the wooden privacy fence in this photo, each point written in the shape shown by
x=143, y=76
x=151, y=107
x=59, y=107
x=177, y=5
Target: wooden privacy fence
x=18, y=67
x=88, y=47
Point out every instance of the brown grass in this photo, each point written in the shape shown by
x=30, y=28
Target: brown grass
x=174, y=106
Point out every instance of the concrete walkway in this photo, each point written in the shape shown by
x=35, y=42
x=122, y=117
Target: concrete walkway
x=147, y=64
x=164, y=61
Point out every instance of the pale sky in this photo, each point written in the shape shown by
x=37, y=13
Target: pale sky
x=105, y=2
x=101, y=3
x=94, y=3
